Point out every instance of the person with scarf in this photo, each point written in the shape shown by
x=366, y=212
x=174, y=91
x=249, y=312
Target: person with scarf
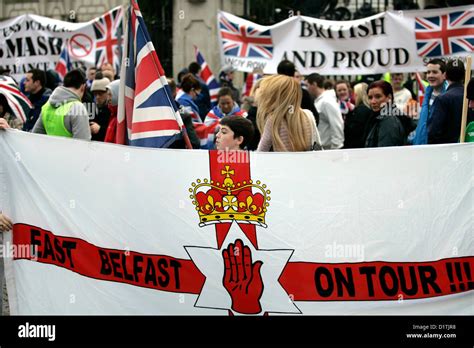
x=344, y=97
x=226, y=106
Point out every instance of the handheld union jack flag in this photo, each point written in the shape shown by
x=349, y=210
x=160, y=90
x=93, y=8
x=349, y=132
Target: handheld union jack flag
x=445, y=35
x=109, y=30
x=207, y=76
x=64, y=64
x=243, y=40
x=147, y=114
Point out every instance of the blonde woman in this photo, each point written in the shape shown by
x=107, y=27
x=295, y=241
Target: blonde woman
x=354, y=125
x=252, y=115
x=283, y=124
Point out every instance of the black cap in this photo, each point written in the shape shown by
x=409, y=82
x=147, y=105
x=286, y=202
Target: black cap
x=4, y=70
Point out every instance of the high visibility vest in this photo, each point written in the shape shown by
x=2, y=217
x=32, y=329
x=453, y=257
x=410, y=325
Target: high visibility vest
x=53, y=119
x=469, y=138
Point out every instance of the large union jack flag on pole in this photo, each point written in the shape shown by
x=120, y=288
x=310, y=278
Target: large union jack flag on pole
x=147, y=114
x=207, y=76
x=243, y=40
x=109, y=30
x=446, y=34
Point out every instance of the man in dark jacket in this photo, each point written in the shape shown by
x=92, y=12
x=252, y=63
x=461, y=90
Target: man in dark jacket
x=286, y=67
x=444, y=126
x=203, y=99
x=38, y=94
x=101, y=113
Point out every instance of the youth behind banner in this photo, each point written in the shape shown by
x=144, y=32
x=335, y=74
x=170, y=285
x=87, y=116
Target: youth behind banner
x=124, y=230
x=389, y=41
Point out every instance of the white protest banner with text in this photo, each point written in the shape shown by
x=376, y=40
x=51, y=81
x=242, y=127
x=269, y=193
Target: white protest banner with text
x=109, y=229
x=389, y=41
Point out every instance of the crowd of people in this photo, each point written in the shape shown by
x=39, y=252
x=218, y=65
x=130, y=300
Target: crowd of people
x=282, y=112
x=278, y=108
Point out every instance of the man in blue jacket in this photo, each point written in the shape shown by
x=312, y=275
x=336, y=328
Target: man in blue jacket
x=436, y=76
x=444, y=126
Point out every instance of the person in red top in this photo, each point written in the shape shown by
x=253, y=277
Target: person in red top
x=113, y=91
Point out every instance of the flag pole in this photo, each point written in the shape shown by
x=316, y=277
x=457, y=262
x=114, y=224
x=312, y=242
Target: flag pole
x=467, y=77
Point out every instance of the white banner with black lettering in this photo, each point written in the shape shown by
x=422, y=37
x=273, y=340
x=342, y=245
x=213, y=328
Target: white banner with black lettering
x=31, y=41
x=109, y=229
x=389, y=41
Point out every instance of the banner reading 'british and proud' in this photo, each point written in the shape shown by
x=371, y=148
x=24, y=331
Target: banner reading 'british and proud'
x=389, y=41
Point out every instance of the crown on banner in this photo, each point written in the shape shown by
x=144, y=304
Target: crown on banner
x=217, y=202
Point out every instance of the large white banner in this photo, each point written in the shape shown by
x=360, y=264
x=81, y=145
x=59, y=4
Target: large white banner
x=389, y=41
x=31, y=41
x=109, y=229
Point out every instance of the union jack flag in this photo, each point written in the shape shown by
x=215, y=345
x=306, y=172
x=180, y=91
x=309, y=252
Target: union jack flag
x=249, y=83
x=109, y=30
x=64, y=64
x=147, y=114
x=243, y=40
x=445, y=35
x=207, y=76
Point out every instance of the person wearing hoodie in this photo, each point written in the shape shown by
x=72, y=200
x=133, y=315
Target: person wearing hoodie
x=64, y=114
x=387, y=125
x=38, y=93
x=113, y=92
x=226, y=106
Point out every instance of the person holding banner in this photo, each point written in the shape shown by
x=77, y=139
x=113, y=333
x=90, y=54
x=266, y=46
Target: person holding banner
x=283, y=124
x=64, y=114
x=5, y=223
x=387, y=126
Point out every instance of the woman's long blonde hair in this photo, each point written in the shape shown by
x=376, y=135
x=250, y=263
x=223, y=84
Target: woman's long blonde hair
x=280, y=100
x=360, y=92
